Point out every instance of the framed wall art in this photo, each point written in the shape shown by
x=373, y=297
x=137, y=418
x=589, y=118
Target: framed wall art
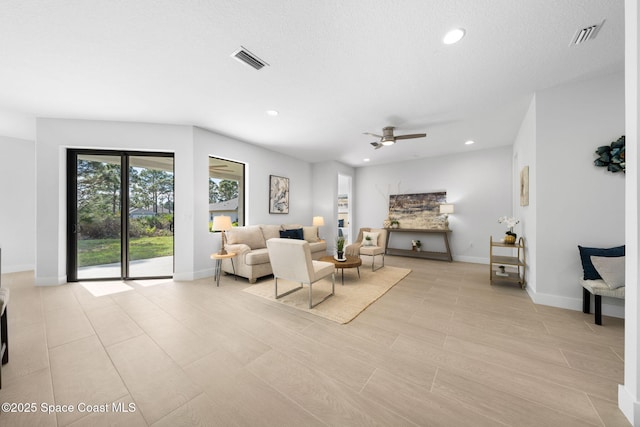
x=420, y=211
x=524, y=186
x=278, y=195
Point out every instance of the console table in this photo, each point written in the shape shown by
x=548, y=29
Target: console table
x=443, y=256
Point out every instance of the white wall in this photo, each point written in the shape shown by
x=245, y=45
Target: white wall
x=629, y=392
x=192, y=148
x=524, y=154
x=477, y=182
x=55, y=136
x=577, y=203
x=17, y=198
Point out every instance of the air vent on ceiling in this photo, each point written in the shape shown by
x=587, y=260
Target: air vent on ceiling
x=243, y=55
x=586, y=34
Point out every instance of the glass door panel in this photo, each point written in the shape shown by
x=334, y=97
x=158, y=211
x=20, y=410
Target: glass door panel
x=98, y=224
x=150, y=218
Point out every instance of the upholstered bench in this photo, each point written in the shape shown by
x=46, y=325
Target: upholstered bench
x=603, y=276
x=4, y=335
x=599, y=289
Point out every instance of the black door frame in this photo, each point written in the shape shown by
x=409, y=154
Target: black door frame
x=72, y=212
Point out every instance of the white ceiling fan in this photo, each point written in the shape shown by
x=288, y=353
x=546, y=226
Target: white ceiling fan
x=387, y=137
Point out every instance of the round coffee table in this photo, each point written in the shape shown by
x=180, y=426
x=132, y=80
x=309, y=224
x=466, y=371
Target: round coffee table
x=351, y=262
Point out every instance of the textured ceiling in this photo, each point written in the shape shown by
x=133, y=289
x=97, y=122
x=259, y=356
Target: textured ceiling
x=337, y=68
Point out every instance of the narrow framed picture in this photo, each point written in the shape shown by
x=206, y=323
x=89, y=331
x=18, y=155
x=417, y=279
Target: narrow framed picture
x=278, y=195
x=524, y=186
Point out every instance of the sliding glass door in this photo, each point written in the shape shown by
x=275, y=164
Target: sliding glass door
x=150, y=229
x=120, y=215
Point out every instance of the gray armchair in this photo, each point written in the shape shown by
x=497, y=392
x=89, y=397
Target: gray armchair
x=377, y=247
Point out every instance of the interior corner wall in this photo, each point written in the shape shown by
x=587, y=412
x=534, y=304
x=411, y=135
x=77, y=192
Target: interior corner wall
x=576, y=202
x=260, y=163
x=17, y=192
x=477, y=182
x=629, y=392
x=54, y=136
x=325, y=196
x=524, y=154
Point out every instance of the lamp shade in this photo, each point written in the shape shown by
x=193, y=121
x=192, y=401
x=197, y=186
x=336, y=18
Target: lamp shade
x=446, y=208
x=318, y=221
x=221, y=223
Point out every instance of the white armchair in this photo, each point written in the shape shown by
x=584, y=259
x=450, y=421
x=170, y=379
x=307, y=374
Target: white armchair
x=377, y=245
x=291, y=260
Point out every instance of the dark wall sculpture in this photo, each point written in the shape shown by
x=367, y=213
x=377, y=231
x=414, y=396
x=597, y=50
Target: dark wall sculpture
x=612, y=156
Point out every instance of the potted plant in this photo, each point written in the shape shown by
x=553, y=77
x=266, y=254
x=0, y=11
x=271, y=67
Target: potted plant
x=511, y=222
x=340, y=247
x=395, y=223
x=418, y=245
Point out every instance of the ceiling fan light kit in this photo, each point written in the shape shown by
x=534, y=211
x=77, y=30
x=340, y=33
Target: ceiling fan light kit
x=388, y=138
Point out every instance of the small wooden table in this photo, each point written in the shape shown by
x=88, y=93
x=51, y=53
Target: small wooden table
x=218, y=266
x=351, y=262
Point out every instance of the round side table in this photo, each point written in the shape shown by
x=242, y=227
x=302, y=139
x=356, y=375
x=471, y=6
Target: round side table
x=218, y=266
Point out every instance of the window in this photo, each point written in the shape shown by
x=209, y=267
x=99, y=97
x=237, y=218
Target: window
x=226, y=190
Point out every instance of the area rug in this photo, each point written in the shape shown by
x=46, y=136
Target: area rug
x=349, y=300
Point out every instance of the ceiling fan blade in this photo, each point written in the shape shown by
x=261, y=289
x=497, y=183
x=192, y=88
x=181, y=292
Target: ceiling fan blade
x=410, y=136
x=376, y=145
x=373, y=134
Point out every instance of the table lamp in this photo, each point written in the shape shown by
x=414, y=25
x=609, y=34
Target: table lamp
x=318, y=221
x=221, y=223
x=446, y=209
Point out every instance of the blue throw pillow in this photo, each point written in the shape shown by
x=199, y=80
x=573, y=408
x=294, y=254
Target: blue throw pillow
x=292, y=234
x=590, y=272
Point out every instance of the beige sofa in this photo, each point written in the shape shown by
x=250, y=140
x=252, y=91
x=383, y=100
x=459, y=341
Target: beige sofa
x=250, y=245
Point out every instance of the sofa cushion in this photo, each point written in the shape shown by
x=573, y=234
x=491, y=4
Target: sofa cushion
x=257, y=256
x=589, y=271
x=292, y=234
x=310, y=234
x=598, y=287
x=318, y=246
x=270, y=231
x=250, y=235
x=611, y=269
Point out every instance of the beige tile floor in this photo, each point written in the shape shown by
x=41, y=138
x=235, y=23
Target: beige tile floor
x=441, y=348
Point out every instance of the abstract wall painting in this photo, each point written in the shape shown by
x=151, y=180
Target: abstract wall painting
x=278, y=195
x=420, y=211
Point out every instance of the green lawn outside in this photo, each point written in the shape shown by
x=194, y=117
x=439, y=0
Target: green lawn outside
x=107, y=251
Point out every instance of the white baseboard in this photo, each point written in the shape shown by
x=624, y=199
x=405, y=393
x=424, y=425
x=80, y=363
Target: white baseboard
x=628, y=405
x=471, y=259
x=608, y=309
x=51, y=281
x=193, y=275
x=17, y=268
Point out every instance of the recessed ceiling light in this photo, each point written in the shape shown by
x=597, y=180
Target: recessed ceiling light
x=272, y=113
x=366, y=160
x=469, y=142
x=453, y=36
